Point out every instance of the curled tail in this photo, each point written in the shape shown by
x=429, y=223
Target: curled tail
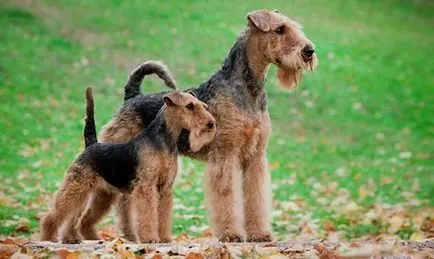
x=89, y=127
x=132, y=88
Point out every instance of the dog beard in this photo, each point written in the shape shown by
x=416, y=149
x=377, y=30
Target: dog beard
x=290, y=77
x=199, y=138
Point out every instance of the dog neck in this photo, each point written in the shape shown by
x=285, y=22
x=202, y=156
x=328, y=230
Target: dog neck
x=256, y=60
x=244, y=62
x=172, y=122
x=245, y=70
x=163, y=127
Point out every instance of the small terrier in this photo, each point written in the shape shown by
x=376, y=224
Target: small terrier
x=145, y=167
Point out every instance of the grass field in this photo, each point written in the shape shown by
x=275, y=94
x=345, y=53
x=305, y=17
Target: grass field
x=352, y=150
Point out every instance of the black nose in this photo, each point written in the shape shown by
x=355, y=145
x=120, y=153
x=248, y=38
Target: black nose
x=308, y=51
x=210, y=125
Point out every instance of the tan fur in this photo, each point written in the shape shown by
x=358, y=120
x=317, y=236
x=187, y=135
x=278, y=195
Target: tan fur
x=156, y=169
x=236, y=155
x=68, y=202
x=125, y=126
x=124, y=216
x=95, y=210
x=237, y=182
x=282, y=50
x=122, y=128
x=70, y=233
x=151, y=197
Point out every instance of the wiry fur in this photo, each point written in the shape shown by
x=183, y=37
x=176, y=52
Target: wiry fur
x=145, y=167
x=89, y=127
x=132, y=127
x=237, y=182
x=132, y=88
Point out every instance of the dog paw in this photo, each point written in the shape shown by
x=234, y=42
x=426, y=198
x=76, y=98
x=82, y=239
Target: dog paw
x=129, y=237
x=166, y=240
x=230, y=237
x=150, y=241
x=260, y=237
x=71, y=241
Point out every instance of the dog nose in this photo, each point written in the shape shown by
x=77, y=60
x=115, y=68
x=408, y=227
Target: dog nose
x=308, y=51
x=210, y=125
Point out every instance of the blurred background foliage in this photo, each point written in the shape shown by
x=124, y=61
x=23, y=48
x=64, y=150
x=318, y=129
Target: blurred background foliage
x=351, y=153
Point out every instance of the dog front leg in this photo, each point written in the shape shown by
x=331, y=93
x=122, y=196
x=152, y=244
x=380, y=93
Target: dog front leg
x=165, y=216
x=145, y=200
x=257, y=199
x=124, y=217
x=223, y=193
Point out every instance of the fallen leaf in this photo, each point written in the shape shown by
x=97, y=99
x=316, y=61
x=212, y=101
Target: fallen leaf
x=405, y=155
x=352, y=207
x=19, y=255
x=387, y=180
x=328, y=226
x=8, y=241
x=40, y=215
x=23, y=225
x=274, y=165
x=178, y=250
x=124, y=252
x=395, y=223
x=325, y=253
x=108, y=234
x=182, y=236
x=194, y=255
x=7, y=250
x=64, y=253
x=207, y=233
x=292, y=250
x=416, y=236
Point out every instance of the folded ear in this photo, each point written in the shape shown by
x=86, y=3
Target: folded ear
x=192, y=93
x=261, y=19
x=173, y=98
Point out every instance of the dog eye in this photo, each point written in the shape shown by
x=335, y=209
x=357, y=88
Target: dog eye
x=280, y=29
x=190, y=106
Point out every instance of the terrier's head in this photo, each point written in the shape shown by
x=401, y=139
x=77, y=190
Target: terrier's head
x=283, y=43
x=191, y=114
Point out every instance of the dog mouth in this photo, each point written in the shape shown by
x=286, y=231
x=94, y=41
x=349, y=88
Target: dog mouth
x=294, y=62
x=291, y=68
x=307, y=59
x=209, y=128
x=202, y=137
x=278, y=62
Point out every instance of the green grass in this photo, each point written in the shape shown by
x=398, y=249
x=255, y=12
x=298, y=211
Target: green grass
x=359, y=130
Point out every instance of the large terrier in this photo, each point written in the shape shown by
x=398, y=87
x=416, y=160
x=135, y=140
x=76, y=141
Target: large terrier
x=237, y=184
x=145, y=168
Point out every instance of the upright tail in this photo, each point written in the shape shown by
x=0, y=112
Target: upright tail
x=89, y=127
x=132, y=88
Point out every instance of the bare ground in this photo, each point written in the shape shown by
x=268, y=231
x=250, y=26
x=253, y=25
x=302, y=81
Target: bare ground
x=210, y=248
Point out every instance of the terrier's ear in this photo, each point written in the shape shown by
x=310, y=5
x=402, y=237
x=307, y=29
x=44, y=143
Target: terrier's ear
x=192, y=93
x=173, y=98
x=261, y=19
